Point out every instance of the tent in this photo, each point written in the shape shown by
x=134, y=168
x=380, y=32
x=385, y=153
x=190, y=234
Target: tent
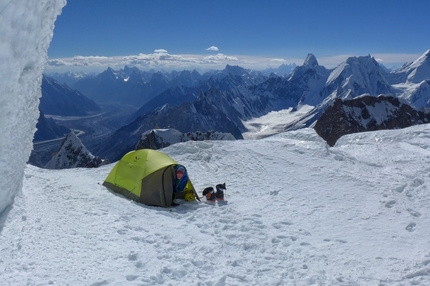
x=149, y=177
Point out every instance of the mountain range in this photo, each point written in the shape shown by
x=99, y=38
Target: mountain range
x=223, y=100
x=60, y=99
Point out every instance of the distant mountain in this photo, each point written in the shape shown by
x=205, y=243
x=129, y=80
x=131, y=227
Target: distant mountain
x=366, y=113
x=235, y=96
x=222, y=100
x=308, y=80
x=60, y=99
x=232, y=78
x=303, y=86
x=207, y=112
x=352, y=78
x=245, y=76
x=132, y=86
x=414, y=72
x=174, y=96
x=69, y=78
x=185, y=78
x=356, y=76
x=47, y=129
x=161, y=138
x=73, y=154
x=282, y=70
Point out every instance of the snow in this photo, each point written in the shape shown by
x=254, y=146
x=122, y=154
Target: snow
x=378, y=113
x=168, y=135
x=26, y=31
x=72, y=154
x=336, y=72
x=273, y=122
x=419, y=69
x=298, y=213
x=417, y=94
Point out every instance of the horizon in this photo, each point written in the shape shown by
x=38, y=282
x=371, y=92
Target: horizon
x=170, y=35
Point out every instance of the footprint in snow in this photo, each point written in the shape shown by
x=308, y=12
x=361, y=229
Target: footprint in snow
x=131, y=277
x=414, y=213
x=390, y=204
x=400, y=189
x=132, y=256
x=411, y=227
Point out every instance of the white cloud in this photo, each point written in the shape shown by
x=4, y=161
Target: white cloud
x=396, y=58
x=162, y=60
x=278, y=60
x=212, y=48
x=219, y=58
x=160, y=51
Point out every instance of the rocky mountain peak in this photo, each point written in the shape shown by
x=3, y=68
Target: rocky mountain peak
x=73, y=154
x=310, y=61
x=366, y=113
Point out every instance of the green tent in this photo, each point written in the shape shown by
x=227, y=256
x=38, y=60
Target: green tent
x=148, y=176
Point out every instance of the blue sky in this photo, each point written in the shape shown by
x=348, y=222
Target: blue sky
x=202, y=34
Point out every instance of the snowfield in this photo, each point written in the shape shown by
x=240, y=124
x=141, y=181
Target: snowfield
x=298, y=213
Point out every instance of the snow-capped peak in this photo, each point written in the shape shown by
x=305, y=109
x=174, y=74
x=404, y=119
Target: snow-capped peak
x=359, y=71
x=310, y=61
x=73, y=154
x=418, y=70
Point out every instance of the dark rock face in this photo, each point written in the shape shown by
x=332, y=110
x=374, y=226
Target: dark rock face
x=366, y=113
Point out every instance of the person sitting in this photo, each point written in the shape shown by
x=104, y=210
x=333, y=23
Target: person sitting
x=180, y=182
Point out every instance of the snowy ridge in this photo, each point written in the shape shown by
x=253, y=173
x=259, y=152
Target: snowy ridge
x=73, y=154
x=417, y=94
x=161, y=138
x=418, y=70
x=361, y=221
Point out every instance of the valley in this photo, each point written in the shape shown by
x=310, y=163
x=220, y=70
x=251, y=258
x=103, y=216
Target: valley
x=92, y=130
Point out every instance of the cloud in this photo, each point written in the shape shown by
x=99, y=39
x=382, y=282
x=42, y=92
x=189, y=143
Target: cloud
x=162, y=60
x=160, y=51
x=212, y=48
x=278, y=60
x=396, y=58
x=219, y=58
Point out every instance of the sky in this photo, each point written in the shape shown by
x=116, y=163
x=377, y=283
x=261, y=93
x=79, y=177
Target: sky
x=255, y=34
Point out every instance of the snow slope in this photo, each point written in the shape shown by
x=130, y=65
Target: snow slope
x=299, y=213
